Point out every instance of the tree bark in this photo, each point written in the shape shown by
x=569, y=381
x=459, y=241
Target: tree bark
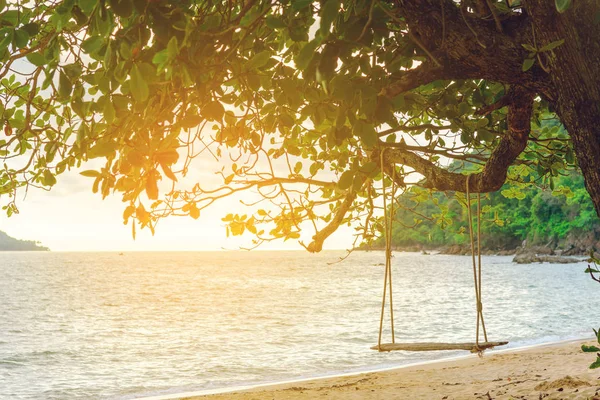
x=575, y=76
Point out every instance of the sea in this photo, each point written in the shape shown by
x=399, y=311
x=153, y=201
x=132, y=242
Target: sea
x=134, y=325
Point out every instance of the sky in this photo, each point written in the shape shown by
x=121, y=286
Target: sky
x=72, y=218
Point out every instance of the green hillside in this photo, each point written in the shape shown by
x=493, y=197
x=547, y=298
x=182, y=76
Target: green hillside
x=562, y=218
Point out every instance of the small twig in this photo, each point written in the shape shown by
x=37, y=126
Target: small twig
x=592, y=275
x=413, y=37
x=544, y=67
x=422, y=46
x=443, y=24
x=494, y=15
x=503, y=102
x=405, y=128
x=369, y=21
x=462, y=13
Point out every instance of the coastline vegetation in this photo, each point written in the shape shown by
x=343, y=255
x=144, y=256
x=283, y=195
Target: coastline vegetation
x=563, y=217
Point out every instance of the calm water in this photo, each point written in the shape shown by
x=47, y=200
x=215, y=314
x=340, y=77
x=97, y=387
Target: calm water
x=100, y=325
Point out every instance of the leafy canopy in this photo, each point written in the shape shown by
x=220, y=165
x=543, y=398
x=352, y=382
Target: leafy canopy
x=291, y=97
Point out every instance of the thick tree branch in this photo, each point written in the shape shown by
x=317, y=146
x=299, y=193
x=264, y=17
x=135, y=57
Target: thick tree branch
x=317, y=244
x=493, y=175
x=448, y=34
x=503, y=102
x=414, y=78
x=433, y=150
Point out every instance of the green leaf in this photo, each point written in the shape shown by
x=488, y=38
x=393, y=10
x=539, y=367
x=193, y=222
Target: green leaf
x=213, y=111
x=168, y=172
x=167, y=157
x=138, y=86
x=6, y=40
x=286, y=120
x=36, y=59
x=552, y=46
x=306, y=54
x=64, y=86
x=328, y=62
x=298, y=167
x=49, y=179
x=485, y=135
x=136, y=158
x=11, y=17
x=125, y=50
x=529, y=47
x=32, y=28
x=105, y=149
x=90, y=173
x=562, y=5
x=87, y=6
x=92, y=44
x=589, y=349
x=370, y=169
x=21, y=38
x=151, y=187
x=194, y=211
x=191, y=121
x=109, y=111
x=366, y=132
x=275, y=23
x=73, y=71
x=173, y=48
x=123, y=8
x=298, y=5
x=346, y=180
x=160, y=58
x=64, y=8
x=329, y=12
x=528, y=63
x=259, y=60
x=595, y=364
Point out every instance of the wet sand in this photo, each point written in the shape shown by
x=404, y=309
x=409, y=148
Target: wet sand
x=553, y=371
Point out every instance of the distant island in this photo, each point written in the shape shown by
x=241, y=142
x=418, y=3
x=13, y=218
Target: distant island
x=8, y=243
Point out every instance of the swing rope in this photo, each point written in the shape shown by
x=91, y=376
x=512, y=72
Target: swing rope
x=476, y=265
x=388, y=217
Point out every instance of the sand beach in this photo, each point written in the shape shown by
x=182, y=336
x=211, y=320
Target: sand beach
x=552, y=371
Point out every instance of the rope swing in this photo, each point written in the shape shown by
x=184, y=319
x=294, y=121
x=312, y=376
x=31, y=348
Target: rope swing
x=477, y=347
x=388, y=218
x=476, y=266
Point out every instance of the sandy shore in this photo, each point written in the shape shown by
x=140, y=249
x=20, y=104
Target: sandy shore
x=554, y=371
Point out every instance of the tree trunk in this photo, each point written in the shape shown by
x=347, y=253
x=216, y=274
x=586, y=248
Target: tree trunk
x=575, y=74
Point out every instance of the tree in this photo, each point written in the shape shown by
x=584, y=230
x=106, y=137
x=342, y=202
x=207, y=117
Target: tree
x=310, y=104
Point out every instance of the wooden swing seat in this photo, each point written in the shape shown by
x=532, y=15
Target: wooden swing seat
x=433, y=346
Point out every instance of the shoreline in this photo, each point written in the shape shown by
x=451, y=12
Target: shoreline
x=331, y=384
x=443, y=251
